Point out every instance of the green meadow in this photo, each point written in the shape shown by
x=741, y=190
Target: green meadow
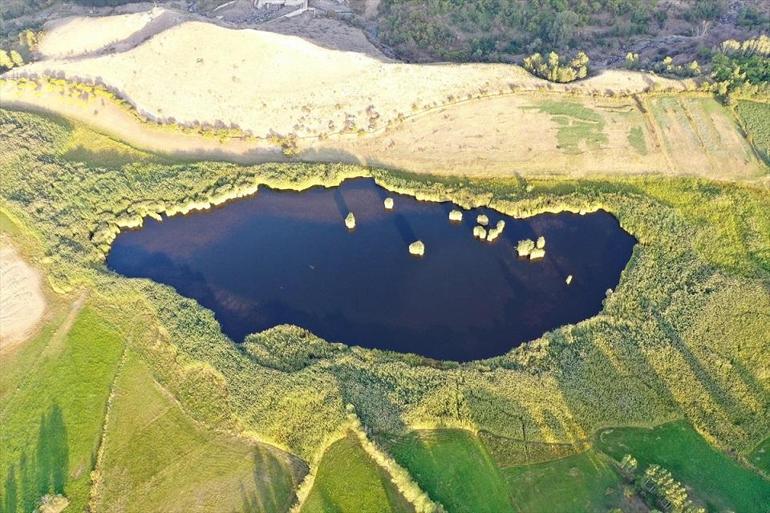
x=717, y=481
x=454, y=468
x=349, y=481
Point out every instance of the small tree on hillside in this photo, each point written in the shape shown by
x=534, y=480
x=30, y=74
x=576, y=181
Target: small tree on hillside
x=16, y=57
x=5, y=61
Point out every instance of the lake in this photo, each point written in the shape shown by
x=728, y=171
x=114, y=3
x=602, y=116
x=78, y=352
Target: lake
x=282, y=257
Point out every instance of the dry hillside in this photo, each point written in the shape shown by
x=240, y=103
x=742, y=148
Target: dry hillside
x=356, y=107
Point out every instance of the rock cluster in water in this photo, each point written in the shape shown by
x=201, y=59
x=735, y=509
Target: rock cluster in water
x=529, y=248
x=350, y=221
x=417, y=248
x=495, y=232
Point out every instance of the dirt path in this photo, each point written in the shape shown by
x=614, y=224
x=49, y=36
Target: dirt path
x=56, y=343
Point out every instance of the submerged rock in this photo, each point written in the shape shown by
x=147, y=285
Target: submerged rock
x=388, y=203
x=525, y=247
x=482, y=220
x=350, y=221
x=540, y=242
x=417, y=248
x=479, y=232
x=456, y=216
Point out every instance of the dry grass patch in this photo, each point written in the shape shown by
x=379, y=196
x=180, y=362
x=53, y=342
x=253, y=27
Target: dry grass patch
x=78, y=35
x=269, y=83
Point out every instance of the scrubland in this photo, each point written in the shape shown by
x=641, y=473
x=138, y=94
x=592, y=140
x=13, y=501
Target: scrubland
x=683, y=336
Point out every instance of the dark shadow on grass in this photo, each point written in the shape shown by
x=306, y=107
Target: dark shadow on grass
x=274, y=484
x=46, y=473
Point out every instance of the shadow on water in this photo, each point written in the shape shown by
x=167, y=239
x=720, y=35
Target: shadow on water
x=44, y=471
x=342, y=205
x=404, y=229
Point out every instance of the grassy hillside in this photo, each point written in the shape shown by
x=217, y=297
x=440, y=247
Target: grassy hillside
x=581, y=483
x=349, y=481
x=158, y=459
x=454, y=468
x=51, y=415
x=717, y=481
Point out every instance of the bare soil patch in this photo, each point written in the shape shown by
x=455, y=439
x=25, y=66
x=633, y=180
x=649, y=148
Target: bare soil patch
x=22, y=303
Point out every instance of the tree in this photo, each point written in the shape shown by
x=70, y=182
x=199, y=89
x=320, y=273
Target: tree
x=16, y=57
x=562, y=28
x=632, y=60
x=28, y=39
x=554, y=70
x=5, y=61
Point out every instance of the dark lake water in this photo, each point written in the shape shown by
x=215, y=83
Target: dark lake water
x=287, y=258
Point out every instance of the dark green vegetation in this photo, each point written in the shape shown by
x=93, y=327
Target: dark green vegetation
x=499, y=30
x=349, y=481
x=454, y=468
x=684, y=336
x=754, y=116
x=578, y=125
x=716, y=481
x=760, y=457
x=742, y=66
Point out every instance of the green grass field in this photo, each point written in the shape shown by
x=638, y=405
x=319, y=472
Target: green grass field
x=717, y=481
x=85, y=145
x=761, y=456
x=578, y=125
x=349, y=481
x=754, y=116
x=51, y=416
x=582, y=483
x=157, y=459
x=454, y=468
x=636, y=139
